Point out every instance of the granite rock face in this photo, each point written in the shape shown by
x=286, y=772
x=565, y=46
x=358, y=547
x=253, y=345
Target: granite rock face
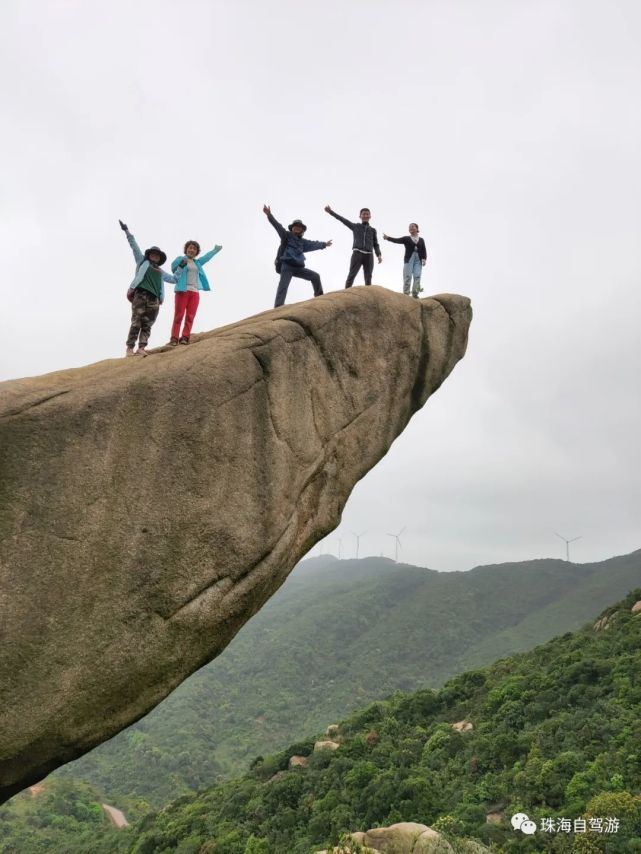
x=149, y=507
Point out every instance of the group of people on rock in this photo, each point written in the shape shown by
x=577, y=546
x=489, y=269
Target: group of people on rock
x=146, y=291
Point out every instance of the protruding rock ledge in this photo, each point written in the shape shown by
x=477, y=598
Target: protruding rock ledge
x=149, y=507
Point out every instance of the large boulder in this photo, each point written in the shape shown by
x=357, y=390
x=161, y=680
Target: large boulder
x=326, y=744
x=149, y=507
x=407, y=837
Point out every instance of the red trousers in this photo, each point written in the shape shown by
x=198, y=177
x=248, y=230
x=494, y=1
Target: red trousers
x=186, y=306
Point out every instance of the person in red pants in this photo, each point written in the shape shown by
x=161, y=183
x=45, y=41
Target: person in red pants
x=188, y=269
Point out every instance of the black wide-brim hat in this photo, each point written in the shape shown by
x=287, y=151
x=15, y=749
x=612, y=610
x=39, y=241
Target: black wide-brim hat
x=163, y=257
x=297, y=222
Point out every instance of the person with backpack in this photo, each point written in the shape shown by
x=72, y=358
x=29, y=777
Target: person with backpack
x=364, y=245
x=414, y=261
x=146, y=293
x=191, y=279
x=290, y=260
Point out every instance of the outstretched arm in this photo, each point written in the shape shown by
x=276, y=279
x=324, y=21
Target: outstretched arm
x=279, y=228
x=132, y=242
x=209, y=255
x=342, y=219
x=166, y=277
x=393, y=239
x=311, y=245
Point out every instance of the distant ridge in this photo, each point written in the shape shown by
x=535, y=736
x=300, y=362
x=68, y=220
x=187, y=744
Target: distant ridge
x=337, y=635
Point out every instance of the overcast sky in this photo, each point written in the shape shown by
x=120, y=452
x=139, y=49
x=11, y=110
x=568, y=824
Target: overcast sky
x=510, y=130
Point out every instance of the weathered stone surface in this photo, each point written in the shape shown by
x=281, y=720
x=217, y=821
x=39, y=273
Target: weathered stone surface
x=149, y=507
x=298, y=762
x=347, y=849
x=431, y=842
x=327, y=744
x=463, y=726
x=636, y=608
x=407, y=837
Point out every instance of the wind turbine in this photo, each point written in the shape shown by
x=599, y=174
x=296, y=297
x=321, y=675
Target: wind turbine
x=397, y=538
x=340, y=543
x=567, y=544
x=358, y=541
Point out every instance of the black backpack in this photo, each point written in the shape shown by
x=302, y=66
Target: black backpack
x=278, y=261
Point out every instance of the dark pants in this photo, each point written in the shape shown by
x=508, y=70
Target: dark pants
x=364, y=260
x=287, y=273
x=144, y=311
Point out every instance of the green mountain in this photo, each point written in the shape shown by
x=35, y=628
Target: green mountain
x=553, y=733
x=336, y=636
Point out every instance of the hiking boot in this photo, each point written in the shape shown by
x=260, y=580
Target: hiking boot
x=130, y=351
x=184, y=340
x=141, y=352
x=173, y=341
x=415, y=296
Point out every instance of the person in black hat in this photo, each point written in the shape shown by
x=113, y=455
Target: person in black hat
x=290, y=260
x=146, y=293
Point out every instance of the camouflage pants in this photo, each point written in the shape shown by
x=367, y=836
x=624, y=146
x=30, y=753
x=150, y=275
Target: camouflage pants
x=144, y=311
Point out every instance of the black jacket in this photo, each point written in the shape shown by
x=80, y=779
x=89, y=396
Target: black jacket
x=365, y=237
x=410, y=246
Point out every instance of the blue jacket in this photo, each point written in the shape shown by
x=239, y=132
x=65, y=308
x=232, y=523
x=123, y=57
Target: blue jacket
x=203, y=284
x=293, y=253
x=142, y=265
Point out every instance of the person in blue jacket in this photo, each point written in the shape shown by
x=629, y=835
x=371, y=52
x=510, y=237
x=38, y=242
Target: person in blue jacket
x=146, y=293
x=191, y=279
x=290, y=260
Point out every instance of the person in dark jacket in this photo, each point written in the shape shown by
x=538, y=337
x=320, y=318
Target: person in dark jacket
x=290, y=261
x=414, y=261
x=364, y=245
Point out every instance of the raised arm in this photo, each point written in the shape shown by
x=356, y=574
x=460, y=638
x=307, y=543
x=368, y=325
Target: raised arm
x=279, y=228
x=209, y=255
x=132, y=242
x=342, y=219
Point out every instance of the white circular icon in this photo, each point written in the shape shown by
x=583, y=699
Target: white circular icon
x=528, y=827
x=518, y=818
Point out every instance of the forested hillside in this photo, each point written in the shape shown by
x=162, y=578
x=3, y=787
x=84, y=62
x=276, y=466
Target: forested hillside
x=553, y=733
x=338, y=635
